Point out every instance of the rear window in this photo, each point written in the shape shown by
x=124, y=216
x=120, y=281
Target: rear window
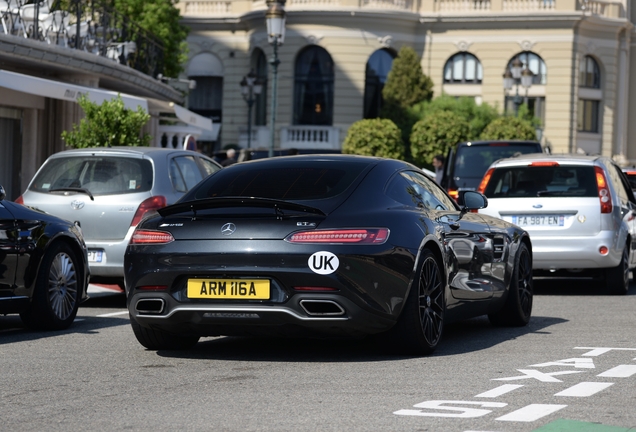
x=101, y=175
x=558, y=181
x=473, y=161
x=296, y=182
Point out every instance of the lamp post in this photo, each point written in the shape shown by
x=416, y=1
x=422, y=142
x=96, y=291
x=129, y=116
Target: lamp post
x=275, y=19
x=250, y=88
x=516, y=75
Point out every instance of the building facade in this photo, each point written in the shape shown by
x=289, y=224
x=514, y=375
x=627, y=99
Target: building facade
x=336, y=55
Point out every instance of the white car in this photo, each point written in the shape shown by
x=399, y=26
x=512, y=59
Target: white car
x=579, y=211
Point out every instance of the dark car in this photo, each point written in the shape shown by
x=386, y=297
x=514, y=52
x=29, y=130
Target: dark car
x=329, y=245
x=43, y=267
x=467, y=163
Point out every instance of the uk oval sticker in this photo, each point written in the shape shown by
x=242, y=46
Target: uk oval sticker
x=323, y=262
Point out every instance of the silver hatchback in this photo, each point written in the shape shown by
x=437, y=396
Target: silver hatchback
x=109, y=190
x=579, y=212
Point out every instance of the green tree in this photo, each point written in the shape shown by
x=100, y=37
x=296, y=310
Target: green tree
x=161, y=18
x=405, y=86
x=477, y=116
x=108, y=124
x=374, y=137
x=509, y=128
x=435, y=134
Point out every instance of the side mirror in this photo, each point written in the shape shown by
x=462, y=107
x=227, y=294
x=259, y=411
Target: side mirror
x=474, y=200
x=3, y=195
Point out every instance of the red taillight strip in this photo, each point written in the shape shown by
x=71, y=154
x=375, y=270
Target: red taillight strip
x=19, y=200
x=358, y=236
x=544, y=164
x=485, y=180
x=151, y=237
x=604, y=194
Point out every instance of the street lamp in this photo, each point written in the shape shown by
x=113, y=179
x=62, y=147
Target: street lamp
x=516, y=75
x=250, y=88
x=275, y=19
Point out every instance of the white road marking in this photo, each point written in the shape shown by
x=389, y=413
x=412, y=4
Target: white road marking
x=531, y=373
x=597, y=351
x=531, y=413
x=620, y=371
x=586, y=363
x=584, y=389
x=450, y=411
x=501, y=390
x=113, y=314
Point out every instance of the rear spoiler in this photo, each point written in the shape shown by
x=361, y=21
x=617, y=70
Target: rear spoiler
x=211, y=203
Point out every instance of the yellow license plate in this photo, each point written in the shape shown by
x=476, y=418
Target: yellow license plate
x=246, y=289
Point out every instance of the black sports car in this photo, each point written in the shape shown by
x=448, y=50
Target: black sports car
x=330, y=244
x=43, y=267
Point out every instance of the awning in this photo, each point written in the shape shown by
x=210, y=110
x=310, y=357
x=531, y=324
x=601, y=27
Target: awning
x=71, y=92
x=182, y=114
x=64, y=91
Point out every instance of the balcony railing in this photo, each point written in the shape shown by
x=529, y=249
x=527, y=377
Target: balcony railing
x=602, y=8
x=86, y=25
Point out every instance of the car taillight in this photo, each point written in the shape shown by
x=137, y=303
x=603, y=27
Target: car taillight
x=151, y=204
x=359, y=236
x=485, y=180
x=19, y=200
x=142, y=236
x=603, y=190
x=454, y=194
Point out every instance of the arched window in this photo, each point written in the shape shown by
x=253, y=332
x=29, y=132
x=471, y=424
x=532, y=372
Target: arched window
x=534, y=63
x=590, y=75
x=313, y=87
x=377, y=70
x=463, y=68
x=207, y=98
x=259, y=65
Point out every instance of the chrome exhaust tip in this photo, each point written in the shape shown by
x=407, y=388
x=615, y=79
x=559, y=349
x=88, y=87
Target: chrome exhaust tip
x=150, y=306
x=322, y=308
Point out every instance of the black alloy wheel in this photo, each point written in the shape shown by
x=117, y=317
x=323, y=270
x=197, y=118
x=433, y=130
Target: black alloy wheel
x=518, y=307
x=421, y=324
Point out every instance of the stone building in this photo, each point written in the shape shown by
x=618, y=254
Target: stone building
x=336, y=55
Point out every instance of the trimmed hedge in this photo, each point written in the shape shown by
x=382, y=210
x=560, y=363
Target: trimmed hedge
x=374, y=137
x=509, y=128
x=435, y=133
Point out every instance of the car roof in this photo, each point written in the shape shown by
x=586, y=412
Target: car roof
x=564, y=159
x=124, y=150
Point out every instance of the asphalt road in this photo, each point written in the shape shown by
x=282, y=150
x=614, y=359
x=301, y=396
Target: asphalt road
x=573, y=368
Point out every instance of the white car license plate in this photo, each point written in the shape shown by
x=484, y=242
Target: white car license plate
x=538, y=220
x=95, y=256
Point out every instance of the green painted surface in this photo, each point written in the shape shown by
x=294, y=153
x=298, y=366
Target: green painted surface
x=579, y=426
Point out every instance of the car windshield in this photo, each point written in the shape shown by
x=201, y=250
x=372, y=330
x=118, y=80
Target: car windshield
x=101, y=175
x=473, y=161
x=310, y=180
x=557, y=181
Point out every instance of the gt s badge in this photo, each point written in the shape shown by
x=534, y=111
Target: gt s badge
x=323, y=262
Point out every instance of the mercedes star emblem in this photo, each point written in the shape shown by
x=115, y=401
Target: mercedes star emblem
x=228, y=229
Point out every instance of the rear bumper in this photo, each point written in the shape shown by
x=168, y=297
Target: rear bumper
x=286, y=319
x=555, y=252
x=112, y=265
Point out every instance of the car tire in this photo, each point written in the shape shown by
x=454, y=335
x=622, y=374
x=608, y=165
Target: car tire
x=421, y=323
x=617, y=278
x=57, y=290
x=154, y=339
x=518, y=306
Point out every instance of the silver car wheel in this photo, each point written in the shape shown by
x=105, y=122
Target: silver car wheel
x=62, y=286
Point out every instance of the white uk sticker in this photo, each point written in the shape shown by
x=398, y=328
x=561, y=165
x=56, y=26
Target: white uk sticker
x=323, y=262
